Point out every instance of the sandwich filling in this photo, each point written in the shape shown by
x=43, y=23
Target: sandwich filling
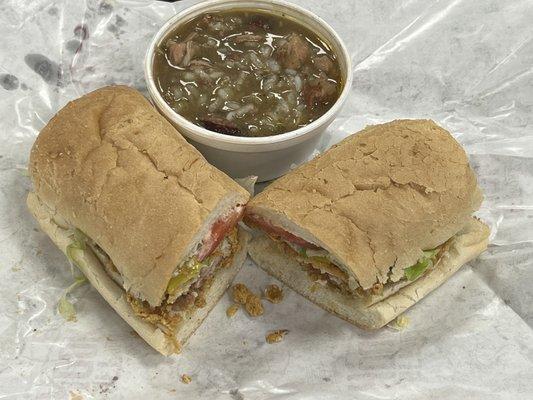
x=191, y=279
x=324, y=269
x=186, y=290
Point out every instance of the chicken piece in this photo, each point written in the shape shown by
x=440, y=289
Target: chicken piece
x=293, y=53
x=176, y=52
x=181, y=54
x=323, y=63
x=319, y=92
x=184, y=302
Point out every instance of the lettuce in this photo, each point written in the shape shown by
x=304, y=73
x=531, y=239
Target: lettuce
x=78, y=243
x=75, y=252
x=64, y=307
x=415, y=271
x=319, y=256
x=320, y=259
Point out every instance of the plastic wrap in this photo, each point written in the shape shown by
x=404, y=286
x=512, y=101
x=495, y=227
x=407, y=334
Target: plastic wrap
x=465, y=64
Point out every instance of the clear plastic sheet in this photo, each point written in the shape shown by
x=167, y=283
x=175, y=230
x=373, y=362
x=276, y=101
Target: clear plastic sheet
x=466, y=64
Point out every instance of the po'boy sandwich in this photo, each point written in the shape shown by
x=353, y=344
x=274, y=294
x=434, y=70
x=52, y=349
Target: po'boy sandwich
x=374, y=224
x=149, y=222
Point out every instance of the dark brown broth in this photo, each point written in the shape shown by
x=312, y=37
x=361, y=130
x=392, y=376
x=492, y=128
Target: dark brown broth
x=246, y=73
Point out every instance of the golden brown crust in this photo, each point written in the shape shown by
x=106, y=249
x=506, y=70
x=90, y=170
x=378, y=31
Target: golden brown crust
x=276, y=336
x=379, y=197
x=273, y=293
x=163, y=317
x=240, y=293
x=254, y=306
x=232, y=310
x=117, y=170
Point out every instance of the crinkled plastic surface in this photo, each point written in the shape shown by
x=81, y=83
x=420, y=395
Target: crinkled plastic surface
x=466, y=64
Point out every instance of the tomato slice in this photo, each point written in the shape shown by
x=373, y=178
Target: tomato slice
x=281, y=233
x=220, y=228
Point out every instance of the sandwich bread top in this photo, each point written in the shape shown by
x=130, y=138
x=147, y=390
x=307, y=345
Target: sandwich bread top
x=113, y=167
x=378, y=198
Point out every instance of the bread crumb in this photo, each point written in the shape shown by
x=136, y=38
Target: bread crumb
x=314, y=287
x=400, y=323
x=253, y=305
x=75, y=396
x=276, y=336
x=232, y=310
x=186, y=379
x=240, y=293
x=274, y=294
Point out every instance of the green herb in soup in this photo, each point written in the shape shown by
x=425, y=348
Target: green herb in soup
x=247, y=74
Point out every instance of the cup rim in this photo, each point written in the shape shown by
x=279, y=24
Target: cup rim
x=206, y=134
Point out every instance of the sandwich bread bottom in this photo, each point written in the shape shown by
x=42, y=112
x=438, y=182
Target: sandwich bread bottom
x=465, y=246
x=95, y=272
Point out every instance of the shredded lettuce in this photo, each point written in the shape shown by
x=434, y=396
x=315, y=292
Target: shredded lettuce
x=319, y=256
x=400, y=323
x=78, y=243
x=320, y=259
x=430, y=253
x=415, y=271
x=189, y=271
x=76, y=249
x=64, y=307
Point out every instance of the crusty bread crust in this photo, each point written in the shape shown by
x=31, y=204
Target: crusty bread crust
x=116, y=296
x=113, y=167
x=465, y=246
x=378, y=198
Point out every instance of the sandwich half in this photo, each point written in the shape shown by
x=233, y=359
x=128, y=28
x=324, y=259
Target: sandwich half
x=151, y=224
x=371, y=226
